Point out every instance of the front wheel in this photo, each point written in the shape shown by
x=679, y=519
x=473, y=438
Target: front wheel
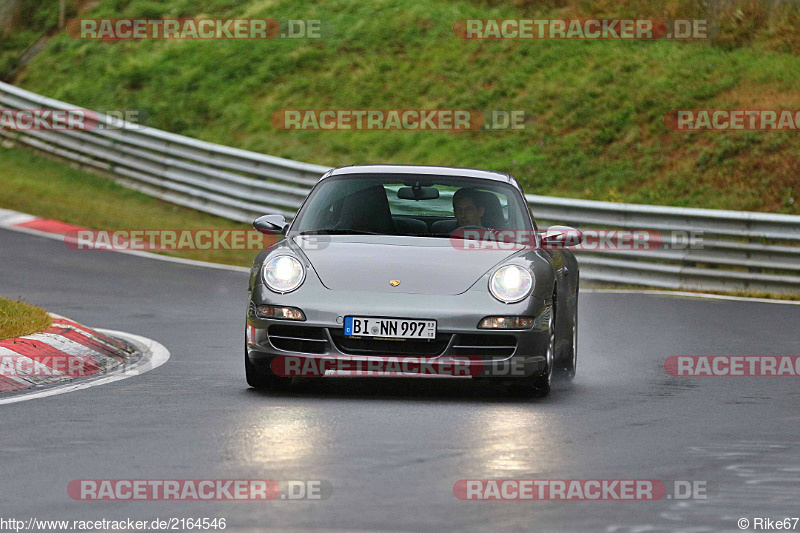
x=264, y=379
x=567, y=361
x=536, y=386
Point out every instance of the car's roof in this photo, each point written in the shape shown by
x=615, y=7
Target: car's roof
x=421, y=170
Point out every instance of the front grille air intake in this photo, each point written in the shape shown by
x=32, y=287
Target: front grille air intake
x=298, y=339
x=482, y=344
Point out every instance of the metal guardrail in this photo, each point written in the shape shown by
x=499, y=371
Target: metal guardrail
x=229, y=182
x=736, y=250
x=741, y=251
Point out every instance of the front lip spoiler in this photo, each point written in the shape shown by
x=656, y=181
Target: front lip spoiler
x=324, y=366
x=382, y=366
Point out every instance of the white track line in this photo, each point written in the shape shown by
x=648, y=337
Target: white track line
x=154, y=355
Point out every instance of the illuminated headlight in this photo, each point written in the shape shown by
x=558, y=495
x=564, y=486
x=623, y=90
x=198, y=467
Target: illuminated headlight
x=272, y=311
x=511, y=283
x=283, y=273
x=506, y=322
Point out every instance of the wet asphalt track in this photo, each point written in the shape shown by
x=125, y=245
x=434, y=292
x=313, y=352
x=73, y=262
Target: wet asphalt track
x=393, y=449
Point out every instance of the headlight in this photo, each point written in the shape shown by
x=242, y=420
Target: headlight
x=283, y=273
x=511, y=283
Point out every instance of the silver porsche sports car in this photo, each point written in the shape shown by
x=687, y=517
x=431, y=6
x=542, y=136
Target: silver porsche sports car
x=413, y=271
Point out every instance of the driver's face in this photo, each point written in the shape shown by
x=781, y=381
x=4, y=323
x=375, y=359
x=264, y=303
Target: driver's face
x=467, y=213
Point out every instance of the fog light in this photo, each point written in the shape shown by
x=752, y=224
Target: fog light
x=285, y=313
x=506, y=322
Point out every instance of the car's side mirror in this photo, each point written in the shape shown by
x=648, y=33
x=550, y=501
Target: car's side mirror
x=562, y=237
x=270, y=224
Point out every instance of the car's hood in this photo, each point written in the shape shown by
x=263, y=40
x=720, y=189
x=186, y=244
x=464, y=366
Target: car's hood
x=422, y=266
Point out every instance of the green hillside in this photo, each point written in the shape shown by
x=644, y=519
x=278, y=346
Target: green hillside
x=595, y=109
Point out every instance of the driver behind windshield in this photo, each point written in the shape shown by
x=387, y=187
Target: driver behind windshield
x=468, y=207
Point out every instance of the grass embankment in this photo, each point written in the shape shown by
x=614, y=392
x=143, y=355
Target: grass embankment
x=29, y=20
x=595, y=108
x=18, y=319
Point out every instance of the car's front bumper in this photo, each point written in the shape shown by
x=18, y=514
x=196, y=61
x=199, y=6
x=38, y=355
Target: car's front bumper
x=491, y=352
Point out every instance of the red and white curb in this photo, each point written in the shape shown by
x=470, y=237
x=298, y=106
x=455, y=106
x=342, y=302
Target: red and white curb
x=15, y=219
x=70, y=356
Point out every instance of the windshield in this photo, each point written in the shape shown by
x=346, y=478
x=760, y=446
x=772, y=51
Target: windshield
x=424, y=206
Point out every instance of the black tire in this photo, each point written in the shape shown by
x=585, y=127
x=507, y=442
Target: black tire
x=536, y=386
x=264, y=379
x=567, y=362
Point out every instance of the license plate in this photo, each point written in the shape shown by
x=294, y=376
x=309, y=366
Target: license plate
x=390, y=328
